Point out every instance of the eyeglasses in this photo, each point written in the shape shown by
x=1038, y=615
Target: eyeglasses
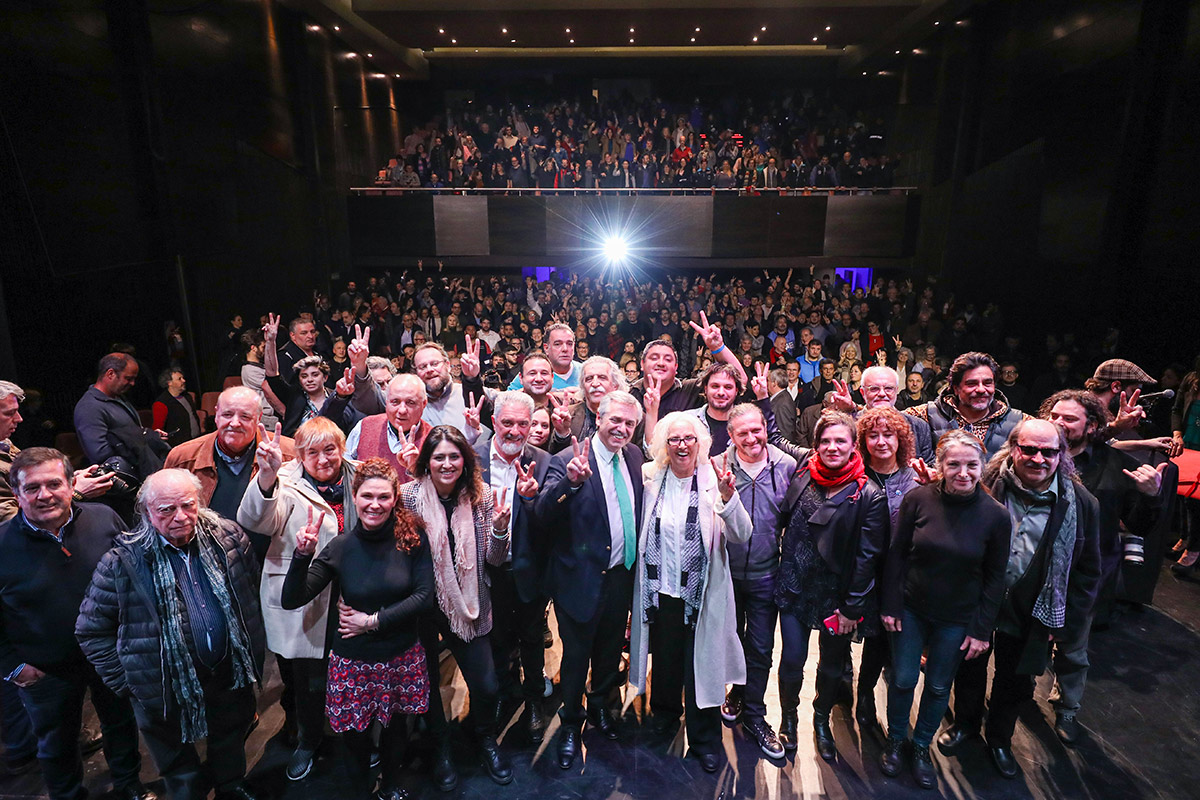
x=879, y=389
x=675, y=441
x=431, y=365
x=1031, y=451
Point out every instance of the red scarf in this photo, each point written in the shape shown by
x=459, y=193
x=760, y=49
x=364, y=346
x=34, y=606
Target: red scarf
x=827, y=479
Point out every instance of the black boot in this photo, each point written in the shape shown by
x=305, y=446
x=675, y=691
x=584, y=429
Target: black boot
x=789, y=700
x=445, y=776
x=494, y=759
x=823, y=736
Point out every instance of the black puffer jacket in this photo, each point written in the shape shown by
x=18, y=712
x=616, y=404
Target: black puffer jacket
x=118, y=626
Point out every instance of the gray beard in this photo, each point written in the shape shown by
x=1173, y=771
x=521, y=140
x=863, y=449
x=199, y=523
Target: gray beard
x=509, y=449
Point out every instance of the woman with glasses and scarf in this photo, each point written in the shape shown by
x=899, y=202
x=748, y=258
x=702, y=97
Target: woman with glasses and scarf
x=683, y=606
x=826, y=580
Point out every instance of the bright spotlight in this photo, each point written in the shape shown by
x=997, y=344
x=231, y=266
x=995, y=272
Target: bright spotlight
x=615, y=249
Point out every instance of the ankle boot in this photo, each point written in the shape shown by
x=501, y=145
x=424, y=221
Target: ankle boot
x=445, y=776
x=789, y=701
x=823, y=736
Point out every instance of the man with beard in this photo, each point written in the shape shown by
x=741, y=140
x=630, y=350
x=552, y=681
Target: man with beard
x=721, y=385
x=516, y=469
x=1129, y=495
x=598, y=376
x=970, y=402
x=447, y=402
x=1117, y=383
x=1050, y=583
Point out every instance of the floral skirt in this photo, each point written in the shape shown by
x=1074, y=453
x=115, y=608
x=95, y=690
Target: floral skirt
x=358, y=693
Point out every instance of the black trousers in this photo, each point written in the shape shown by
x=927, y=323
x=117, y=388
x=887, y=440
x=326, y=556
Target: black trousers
x=674, y=646
x=359, y=746
x=474, y=659
x=876, y=654
x=230, y=712
x=597, y=642
x=55, y=706
x=517, y=636
x=303, y=697
x=1009, y=691
x=756, y=617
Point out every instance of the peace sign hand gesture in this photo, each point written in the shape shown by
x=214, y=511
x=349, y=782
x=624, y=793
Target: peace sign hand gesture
x=359, y=349
x=408, y=450
x=711, y=334
x=345, y=385
x=759, y=382
x=502, y=514
x=651, y=395
x=470, y=358
x=1130, y=414
x=527, y=485
x=925, y=473
x=725, y=483
x=269, y=456
x=472, y=411
x=578, y=468
x=841, y=397
x=306, y=537
x=560, y=417
x=271, y=329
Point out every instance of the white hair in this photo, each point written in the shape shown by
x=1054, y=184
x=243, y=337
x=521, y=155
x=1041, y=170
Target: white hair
x=620, y=398
x=512, y=398
x=614, y=372
x=881, y=370
x=9, y=389
x=658, y=448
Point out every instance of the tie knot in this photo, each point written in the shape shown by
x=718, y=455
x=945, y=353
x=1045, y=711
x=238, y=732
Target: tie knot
x=616, y=459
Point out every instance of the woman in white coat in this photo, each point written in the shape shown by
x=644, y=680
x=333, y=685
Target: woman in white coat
x=683, y=604
x=280, y=501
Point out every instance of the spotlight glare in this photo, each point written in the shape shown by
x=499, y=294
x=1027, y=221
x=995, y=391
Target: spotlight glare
x=615, y=249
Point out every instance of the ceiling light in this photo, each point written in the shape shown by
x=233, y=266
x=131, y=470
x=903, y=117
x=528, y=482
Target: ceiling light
x=828, y=27
x=568, y=30
x=864, y=73
x=514, y=41
x=631, y=41
x=370, y=55
x=814, y=38
x=351, y=55
x=755, y=39
x=764, y=28
x=693, y=38
x=897, y=52
x=454, y=41
x=397, y=74
x=336, y=28
x=937, y=23
x=697, y=30
x=441, y=30
x=379, y=75
x=572, y=41
x=916, y=51
x=504, y=30
x=631, y=30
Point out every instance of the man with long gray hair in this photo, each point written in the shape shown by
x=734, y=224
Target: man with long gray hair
x=172, y=620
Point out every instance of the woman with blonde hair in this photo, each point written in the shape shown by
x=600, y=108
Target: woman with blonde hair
x=683, y=606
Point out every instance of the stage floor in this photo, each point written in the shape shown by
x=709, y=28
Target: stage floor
x=1140, y=717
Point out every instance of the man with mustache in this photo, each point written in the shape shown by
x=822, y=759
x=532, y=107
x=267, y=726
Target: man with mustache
x=599, y=376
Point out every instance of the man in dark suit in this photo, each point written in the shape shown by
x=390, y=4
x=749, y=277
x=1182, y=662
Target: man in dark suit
x=593, y=495
x=783, y=405
x=518, y=599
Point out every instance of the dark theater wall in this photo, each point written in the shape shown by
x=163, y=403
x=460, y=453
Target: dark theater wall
x=219, y=136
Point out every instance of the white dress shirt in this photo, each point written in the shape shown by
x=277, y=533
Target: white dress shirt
x=673, y=526
x=616, y=527
x=502, y=475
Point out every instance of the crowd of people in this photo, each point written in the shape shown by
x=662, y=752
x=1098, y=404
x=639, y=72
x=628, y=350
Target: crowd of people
x=795, y=143
x=678, y=468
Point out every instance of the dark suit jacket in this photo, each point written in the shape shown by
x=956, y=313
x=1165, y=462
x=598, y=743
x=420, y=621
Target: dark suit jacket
x=784, y=408
x=527, y=546
x=580, y=548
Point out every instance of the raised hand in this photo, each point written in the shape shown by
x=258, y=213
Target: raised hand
x=345, y=385
x=711, y=334
x=269, y=456
x=925, y=473
x=759, y=382
x=408, y=451
x=527, y=485
x=896, y=341
x=842, y=400
x=473, y=410
x=271, y=329
x=725, y=481
x=578, y=468
x=1148, y=479
x=306, y=537
x=502, y=513
x=651, y=395
x=881, y=357
x=560, y=416
x=1130, y=414
x=470, y=358
x=359, y=349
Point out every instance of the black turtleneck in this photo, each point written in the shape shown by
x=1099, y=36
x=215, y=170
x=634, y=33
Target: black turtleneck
x=947, y=558
x=374, y=576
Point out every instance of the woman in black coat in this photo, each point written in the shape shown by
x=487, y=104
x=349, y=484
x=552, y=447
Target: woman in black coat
x=826, y=579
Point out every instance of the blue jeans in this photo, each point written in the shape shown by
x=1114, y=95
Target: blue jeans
x=756, y=615
x=942, y=642
x=15, y=727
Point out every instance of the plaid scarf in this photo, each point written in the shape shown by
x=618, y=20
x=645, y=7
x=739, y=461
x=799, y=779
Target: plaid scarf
x=693, y=560
x=185, y=683
x=1050, y=608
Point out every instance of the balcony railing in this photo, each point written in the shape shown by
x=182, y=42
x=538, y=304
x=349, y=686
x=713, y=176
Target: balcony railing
x=678, y=191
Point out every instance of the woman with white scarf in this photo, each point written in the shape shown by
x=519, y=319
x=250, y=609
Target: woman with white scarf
x=466, y=527
x=683, y=593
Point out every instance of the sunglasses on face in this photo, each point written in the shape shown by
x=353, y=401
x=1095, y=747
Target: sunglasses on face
x=1031, y=451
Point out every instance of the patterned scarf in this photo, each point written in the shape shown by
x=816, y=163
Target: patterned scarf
x=1051, y=606
x=693, y=560
x=828, y=479
x=455, y=574
x=185, y=683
